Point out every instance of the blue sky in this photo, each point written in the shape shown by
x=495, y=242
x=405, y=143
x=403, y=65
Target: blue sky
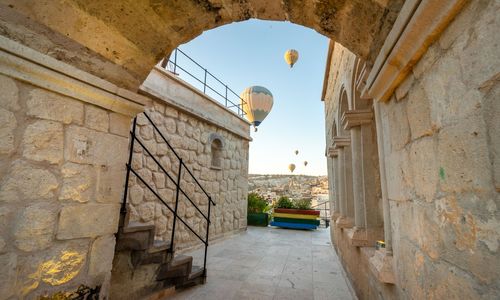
x=251, y=53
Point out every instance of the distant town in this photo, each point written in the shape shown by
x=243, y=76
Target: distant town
x=271, y=187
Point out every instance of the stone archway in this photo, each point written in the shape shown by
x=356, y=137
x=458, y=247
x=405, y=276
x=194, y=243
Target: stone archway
x=121, y=41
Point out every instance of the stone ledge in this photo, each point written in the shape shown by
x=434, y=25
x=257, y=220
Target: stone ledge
x=344, y=222
x=332, y=152
x=166, y=88
x=341, y=141
x=354, y=118
x=358, y=237
x=418, y=25
x=335, y=216
x=382, y=267
x=24, y=64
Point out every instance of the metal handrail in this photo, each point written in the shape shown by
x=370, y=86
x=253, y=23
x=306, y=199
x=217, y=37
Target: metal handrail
x=326, y=210
x=319, y=204
x=239, y=107
x=177, y=184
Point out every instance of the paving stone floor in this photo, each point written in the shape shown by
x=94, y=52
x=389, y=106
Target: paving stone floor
x=271, y=263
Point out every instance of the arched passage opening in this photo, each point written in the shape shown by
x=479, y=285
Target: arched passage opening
x=135, y=35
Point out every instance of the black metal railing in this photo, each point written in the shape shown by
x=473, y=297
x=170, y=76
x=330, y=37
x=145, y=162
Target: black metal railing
x=223, y=92
x=176, y=181
x=326, y=212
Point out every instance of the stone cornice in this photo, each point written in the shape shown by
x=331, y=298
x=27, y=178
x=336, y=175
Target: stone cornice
x=25, y=64
x=353, y=118
x=341, y=142
x=419, y=24
x=332, y=152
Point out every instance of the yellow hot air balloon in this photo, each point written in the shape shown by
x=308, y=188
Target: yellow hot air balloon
x=305, y=163
x=291, y=167
x=257, y=102
x=291, y=57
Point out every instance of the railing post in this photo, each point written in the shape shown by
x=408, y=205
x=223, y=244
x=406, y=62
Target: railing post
x=129, y=166
x=226, y=94
x=205, y=82
x=175, y=61
x=178, y=187
x=206, y=241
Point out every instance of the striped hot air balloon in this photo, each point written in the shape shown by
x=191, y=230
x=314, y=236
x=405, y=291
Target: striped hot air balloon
x=291, y=57
x=257, y=104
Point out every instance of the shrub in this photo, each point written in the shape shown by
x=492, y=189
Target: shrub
x=303, y=204
x=284, y=202
x=256, y=203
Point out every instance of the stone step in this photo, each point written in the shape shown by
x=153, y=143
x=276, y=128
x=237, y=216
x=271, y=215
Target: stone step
x=196, y=276
x=136, y=227
x=159, y=246
x=179, y=266
x=196, y=271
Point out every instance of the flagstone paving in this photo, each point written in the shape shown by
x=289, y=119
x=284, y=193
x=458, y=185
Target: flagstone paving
x=271, y=263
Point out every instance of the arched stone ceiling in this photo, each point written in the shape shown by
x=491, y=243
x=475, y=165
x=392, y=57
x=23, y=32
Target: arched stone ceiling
x=121, y=41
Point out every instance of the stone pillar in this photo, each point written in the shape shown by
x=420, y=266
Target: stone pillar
x=383, y=182
x=334, y=185
x=381, y=263
x=353, y=121
x=344, y=181
x=371, y=182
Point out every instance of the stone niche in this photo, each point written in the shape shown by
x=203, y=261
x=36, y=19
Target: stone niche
x=195, y=132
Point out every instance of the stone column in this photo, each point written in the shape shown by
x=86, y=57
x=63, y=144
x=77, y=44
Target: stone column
x=383, y=182
x=371, y=182
x=353, y=121
x=345, y=219
x=334, y=187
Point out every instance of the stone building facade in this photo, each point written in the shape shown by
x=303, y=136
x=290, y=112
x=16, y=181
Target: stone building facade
x=420, y=170
x=215, y=149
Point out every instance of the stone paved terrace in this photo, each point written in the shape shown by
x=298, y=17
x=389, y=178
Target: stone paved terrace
x=272, y=263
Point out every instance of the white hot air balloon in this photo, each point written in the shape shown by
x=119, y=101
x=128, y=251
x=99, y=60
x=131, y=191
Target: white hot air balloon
x=257, y=103
x=291, y=57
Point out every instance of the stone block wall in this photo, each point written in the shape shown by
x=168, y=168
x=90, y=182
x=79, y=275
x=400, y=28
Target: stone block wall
x=60, y=190
x=191, y=136
x=440, y=132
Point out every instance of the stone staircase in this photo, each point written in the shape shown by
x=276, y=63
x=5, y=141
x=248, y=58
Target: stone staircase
x=172, y=270
x=143, y=266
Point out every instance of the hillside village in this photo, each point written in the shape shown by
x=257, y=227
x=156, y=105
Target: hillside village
x=271, y=187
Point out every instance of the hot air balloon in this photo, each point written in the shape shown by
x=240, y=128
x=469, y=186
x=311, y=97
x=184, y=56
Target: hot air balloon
x=291, y=167
x=291, y=57
x=257, y=103
x=305, y=163
x=296, y=152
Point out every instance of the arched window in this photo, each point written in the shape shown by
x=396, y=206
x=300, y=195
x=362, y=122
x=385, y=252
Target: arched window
x=216, y=146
